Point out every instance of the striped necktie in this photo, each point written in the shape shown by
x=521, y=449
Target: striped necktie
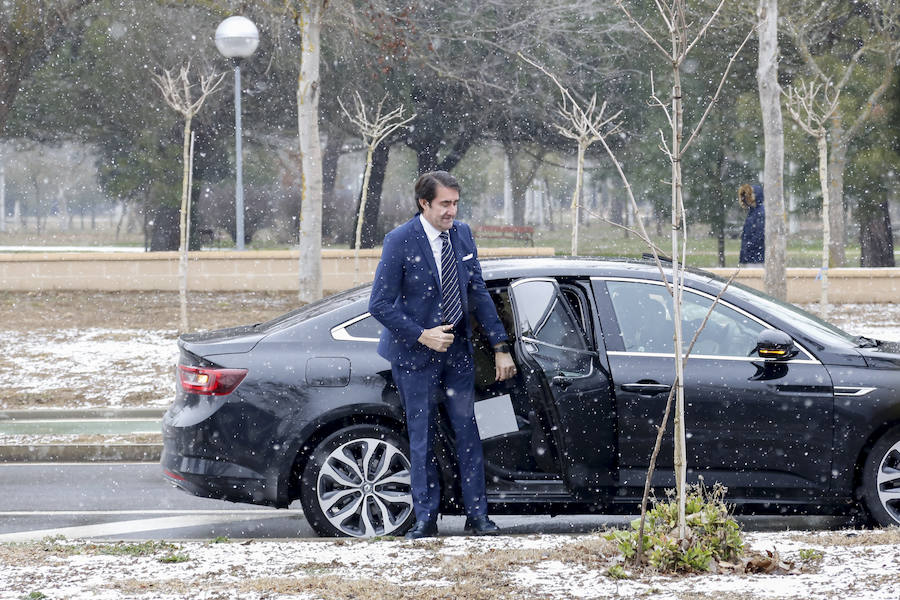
x=451, y=304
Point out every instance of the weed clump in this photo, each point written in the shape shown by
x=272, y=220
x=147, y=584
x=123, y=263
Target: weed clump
x=712, y=534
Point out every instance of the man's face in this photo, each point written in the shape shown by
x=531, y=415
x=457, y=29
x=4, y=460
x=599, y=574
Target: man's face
x=442, y=210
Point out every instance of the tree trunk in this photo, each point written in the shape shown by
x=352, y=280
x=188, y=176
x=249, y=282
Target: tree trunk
x=457, y=153
x=2, y=196
x=718, y=216
x=164, y=234
x=876, y=238
x=332, y=221
x=521, y=173
x=822, y=144
x=183, y=227
x=775, y=279
x=576, y=196
x=679, y=234
x=360, y=216
x=369, y=234
x=427, y=158
x=837, y=161
x=310, y=268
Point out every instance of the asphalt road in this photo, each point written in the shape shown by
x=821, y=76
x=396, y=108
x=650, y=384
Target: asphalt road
x=131, y=501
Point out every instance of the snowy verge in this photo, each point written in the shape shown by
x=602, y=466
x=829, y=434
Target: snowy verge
x=507, y=567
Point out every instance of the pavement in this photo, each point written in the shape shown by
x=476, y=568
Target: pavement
x=107, y=428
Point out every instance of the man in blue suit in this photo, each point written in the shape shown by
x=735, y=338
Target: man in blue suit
x=426, y=284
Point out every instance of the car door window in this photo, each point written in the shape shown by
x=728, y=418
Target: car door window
x=645, y=316
x=552, y=334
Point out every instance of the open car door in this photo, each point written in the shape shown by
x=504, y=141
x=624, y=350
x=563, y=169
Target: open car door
x=565, y=377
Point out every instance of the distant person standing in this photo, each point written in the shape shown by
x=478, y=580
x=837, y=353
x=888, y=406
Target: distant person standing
x=753, y=237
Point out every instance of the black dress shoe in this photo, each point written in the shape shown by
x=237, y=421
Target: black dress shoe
x=481, y=526
x=422, y=529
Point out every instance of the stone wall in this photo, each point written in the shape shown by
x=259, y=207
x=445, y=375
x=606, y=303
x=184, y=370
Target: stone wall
x=277, y=271
x=208, y=270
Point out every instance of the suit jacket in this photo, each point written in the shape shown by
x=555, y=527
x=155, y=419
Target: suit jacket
x=406, y=293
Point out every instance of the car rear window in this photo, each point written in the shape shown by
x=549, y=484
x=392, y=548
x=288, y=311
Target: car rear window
x=320, y=307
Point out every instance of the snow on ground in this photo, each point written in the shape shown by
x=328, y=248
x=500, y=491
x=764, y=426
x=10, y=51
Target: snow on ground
x=845, y=565
x=90, y=367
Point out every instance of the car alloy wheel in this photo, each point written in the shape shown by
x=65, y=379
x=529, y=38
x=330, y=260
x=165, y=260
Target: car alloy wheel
x=360, y=478
x=881, y=479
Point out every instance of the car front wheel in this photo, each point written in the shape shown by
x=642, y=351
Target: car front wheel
x=881, y=479
x=356, y=484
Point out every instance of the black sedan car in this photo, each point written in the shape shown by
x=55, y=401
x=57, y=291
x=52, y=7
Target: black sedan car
x=789, y=412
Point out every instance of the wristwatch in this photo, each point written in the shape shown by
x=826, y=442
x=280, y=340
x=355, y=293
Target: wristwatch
x=501, y=347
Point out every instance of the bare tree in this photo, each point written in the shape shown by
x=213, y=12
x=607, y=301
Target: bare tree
x=176, y=91
x=811, y=112
x=374, y=130
x=775, y=277
x=811, y=25
x=308, y=15
x=583, y=126
x=674, y=18
x=681, y=41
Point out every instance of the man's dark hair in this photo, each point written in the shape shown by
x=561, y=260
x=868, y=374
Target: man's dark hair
x=426, y=185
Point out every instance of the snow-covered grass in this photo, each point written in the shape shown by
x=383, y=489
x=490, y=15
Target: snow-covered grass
x=812, y=566
x=87, y=367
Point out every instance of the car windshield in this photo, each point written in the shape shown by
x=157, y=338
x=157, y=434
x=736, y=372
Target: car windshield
x=809, y=323
x=315, y=309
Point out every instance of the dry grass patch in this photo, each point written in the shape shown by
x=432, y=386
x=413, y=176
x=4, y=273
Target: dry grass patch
x=34, y=553
x=155, y=588
x=335, y=588
x=14, y=398
x=26, y=311
x=878, y=537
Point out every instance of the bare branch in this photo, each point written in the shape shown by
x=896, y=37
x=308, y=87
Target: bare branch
x=180, y=100
x=644, y=31
x=702, y=31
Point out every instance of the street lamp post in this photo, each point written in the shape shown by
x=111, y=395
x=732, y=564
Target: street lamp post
x=237, y=38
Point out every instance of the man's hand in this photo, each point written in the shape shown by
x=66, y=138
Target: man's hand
x=437, y=338
x=505, y=367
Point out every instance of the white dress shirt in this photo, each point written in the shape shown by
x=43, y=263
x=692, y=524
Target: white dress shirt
x=434, y=238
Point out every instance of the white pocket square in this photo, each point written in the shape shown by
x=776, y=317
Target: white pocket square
x=468, y=256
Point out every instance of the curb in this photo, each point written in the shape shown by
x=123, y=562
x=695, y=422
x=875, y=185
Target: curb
x=81, y=453
x=82, y=413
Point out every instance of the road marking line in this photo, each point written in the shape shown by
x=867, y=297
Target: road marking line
x=273, y=512
x=68, y=421
x=124, y=527
x=75, y=464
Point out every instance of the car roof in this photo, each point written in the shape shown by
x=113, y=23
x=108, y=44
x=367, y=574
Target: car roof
x=574, y=266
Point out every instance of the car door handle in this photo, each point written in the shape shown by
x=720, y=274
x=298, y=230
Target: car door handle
x=563, y=381
x=646, y=388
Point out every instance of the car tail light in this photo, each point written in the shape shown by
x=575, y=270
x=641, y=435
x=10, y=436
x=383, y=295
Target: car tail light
x=210, y=381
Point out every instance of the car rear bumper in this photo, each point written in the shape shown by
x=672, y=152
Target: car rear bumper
x=220, y=479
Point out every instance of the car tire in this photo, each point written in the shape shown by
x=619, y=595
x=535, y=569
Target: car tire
x=881, y=480
x=356, y=484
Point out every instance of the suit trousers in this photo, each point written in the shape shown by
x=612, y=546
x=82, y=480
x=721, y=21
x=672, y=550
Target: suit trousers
x=453, y=371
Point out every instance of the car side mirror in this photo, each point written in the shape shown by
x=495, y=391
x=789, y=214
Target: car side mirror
x=774, y=343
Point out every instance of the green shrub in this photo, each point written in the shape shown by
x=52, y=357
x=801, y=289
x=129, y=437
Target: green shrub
x=712, y=533
x=810, y=556
x=617, y=572
x=147, y=548
x=174, y=558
